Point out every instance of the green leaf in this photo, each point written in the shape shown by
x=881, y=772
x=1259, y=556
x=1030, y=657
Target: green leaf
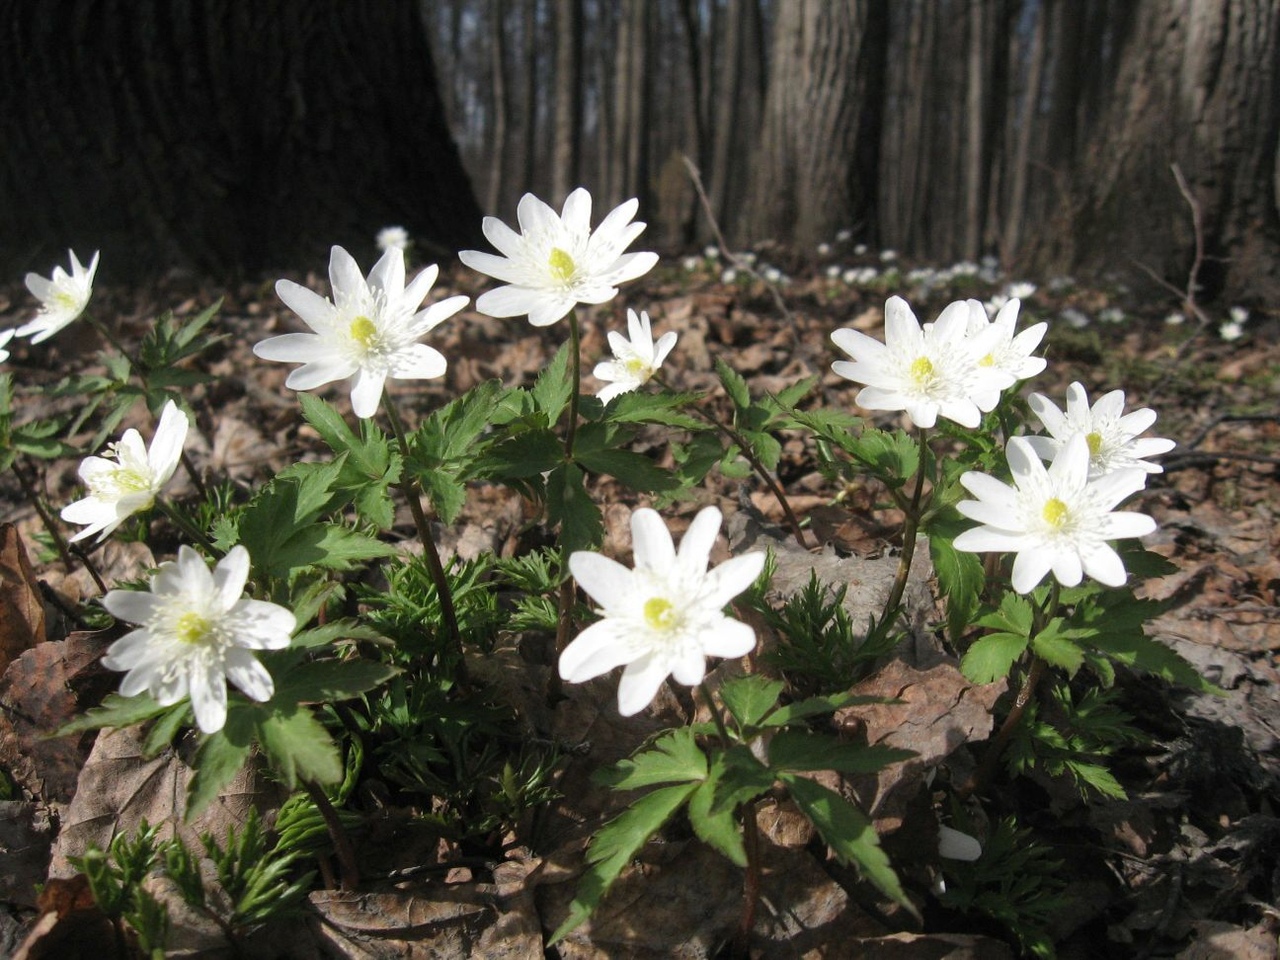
x=674, y=757
x=633, y=469
x=733, y=384
x=326, y=634
x=569, y=504
x=526, y=454
x=220, y=758
x=614, y=846
x=749, y=697
x=1014, y=616
x=662, y=408
x=960, y=575
x=1098, y=777
x=814, y=706
x=716, y=826
x=743, y=778
x=1135, y=649
x=552, y=389
x=162, y=732
x=114, y=711
x=328, y=680
x=800, y=750
x=299, y=747
x=991, y=657
x=893, y=457
x=848, y=832
x=1056, y=649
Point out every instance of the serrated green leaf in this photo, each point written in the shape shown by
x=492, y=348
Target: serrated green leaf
x=526, y=454
x=673, y=758
x=328, y=680
x=789, y=396
x=716, y=826
x=299, y=747
x=114, y=711
x=1135, y=649
x=220, y=758
x=552, y=389
x=733, y=384
x=661, y=408
x=765, y=446
x=569, y=504
x=1098, y=777
x=991, y=657
x=162, y=732
x=814, y=706
x=1014, y=616
x=614, y=846
x=800, y=751
x=327, y=633
x=633, y=469
x=848, y=832
x=1057, y=650
x=749, y=697
x=961, y=578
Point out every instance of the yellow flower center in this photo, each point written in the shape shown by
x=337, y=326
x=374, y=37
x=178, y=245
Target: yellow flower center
x=66, y=300
x=921, y=370
x=1095, y=443
x=659, y=613
x=363, y=331
x=987, y=361
x=191, y=628
x=637, y=367
x=562, y=265
x=1055, y=513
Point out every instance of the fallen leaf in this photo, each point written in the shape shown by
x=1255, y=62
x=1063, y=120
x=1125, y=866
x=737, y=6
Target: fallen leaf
x=21, y=611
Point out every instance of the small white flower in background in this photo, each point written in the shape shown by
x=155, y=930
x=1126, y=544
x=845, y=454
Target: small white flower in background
x=955, y=844
x=965, y=268
x=1112, y=435
x=926, y=372
x=992, y=306
x=1055, y=520
x=62, y=298
x=1111, y=315
x=1010, y=353
x=1020, y=290
x=1238, y=314
x=1076, y=319
x=368, y=332
x=844, y=236
x=824, y=249
x=195, y=633
x=5, y=337
x=1231, y=330
x=666, y=616
x=728, y=275
x=690, y=264
x=833, y=272
x=711, y=252
x=1060, y=284
x=129, y=476
x=556, y=261
x=1176, y=319
x=888, y=256
x=636, y=358
x=772, y=275
x=389, y=237
x=859, y=249
x=748, y=257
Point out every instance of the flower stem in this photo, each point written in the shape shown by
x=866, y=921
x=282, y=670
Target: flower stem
x=749, y=455
x=564, y=620
x=434, y=567
x=342, y=845
x=987, y=768
x=60, y=543
x=186, y=526
x=909, y=531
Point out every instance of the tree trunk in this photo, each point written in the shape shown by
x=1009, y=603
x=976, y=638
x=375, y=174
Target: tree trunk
x=566, y=153
x=222, y=135
x=803, y=184
x=499, y=173
x=738, y=109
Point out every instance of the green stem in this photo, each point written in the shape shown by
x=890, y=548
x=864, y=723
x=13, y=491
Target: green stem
x=749, y=455
x=987, y=768
x=565, y=613
x=725, y=739
x=60, y=543
x=187, y=527
x=434, y=567
x=346, y=851
x=909, y=531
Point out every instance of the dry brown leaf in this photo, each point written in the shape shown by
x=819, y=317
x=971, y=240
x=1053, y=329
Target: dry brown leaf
x=21, y=611
x=25, y=836
x=71, y=927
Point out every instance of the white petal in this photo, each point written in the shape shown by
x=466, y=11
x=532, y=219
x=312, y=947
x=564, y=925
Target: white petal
x=640, y=683
x=954, y=845
x=427, y=320
x=988, y=488
x=131, y=650
x=249, y=675
x=166, y=444
x=731, y=578
x=133, y=606
x=513, y=301
x=605, y=580
x=505, y=240
x=388, y=273
x=534, y=216
x=1067, y=568
x=1070, y=467
x=663, y=347
x=344, y=276
x=1048, y=414
x=990, y=540
x=617, y=219
x=1023, y=462
x=230, y=576
x=690, y=668
x=1114, y=488
x=901, y=328
x=546, y=310
x=1119, y=526
x=1104, y=565
x=576, y=212
x=260, y=625
x=651, y=542
x=295, y=348
x=731, y=638
x=1029, y=568
x=314, y=310
x=858, y=345
x=1046, y=448
x=208, y=699
x=632, y=265
x=420, y=286
x=500, y=268
x=366, y=392
x=319, y=372
x=699, y=539
x=418, y=362
x=597, y=650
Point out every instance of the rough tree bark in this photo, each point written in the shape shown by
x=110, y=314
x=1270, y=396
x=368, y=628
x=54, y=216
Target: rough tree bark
x=804, y=182
x=566, y=153
x=221, y=135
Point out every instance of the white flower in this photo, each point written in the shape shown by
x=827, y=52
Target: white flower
x=1231, y=330
x=389, y=237
x=62, y=298
x=955, y=844
x=844, y=236
x=636, y=358
x=711, y=252
x=1021, y=289
x=665, y=616
x=924, y=372
x=556, y=261
x=195, y=633
x=127, y=478
x=1112, y=435
x=1056, y=519
x=728, y=275
x=1111, y=315
x=368, y=332
x=888, y=256
x=1239, y=314
x=1076, y=319
x=5, y=337
x=1176, y=319
x=859, y=249
x=1009, y=354
x=824, y=249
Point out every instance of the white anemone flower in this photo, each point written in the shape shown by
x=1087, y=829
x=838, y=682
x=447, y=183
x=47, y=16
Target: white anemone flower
x=129, y=476
x=1011, y=353
x=926, y=372
x=62, y=298
x=1112, y=435
x=556, y=261
x=666, y=616
x=367, y=333
x=1056, y=519
x=389, y=237
x=636, y=358
x=195, y=633
x=955, y=844
x=5, y=337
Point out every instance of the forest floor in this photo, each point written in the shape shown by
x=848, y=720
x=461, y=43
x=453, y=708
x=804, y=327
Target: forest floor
x=1187, y=866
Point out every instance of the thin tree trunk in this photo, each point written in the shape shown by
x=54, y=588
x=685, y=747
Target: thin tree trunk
x=567, y=146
